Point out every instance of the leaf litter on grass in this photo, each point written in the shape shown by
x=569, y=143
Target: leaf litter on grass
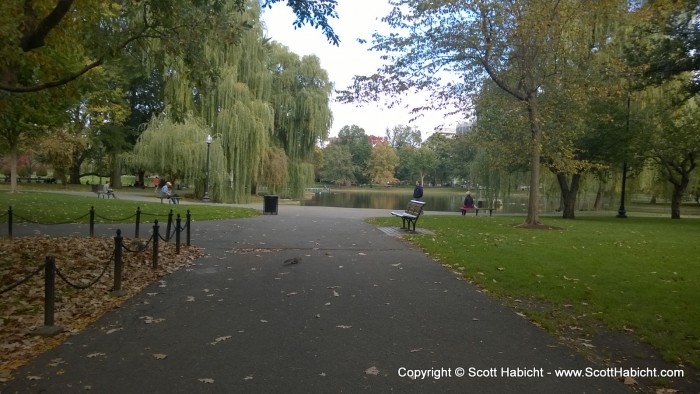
x=81, y=260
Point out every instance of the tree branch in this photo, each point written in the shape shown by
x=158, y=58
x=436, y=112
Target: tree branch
x=72, y=76
x=34, y=39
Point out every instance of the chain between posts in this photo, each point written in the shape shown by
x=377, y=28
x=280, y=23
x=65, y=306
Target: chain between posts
x=51, y=271
x=92, y=215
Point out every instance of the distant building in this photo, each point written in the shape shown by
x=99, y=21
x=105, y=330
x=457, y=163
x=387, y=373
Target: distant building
x=466, y=127
x=448, y=132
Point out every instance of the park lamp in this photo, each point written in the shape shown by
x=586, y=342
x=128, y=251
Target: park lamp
x=206, y=178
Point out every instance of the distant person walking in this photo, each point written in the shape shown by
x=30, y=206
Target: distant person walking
x=418, y=191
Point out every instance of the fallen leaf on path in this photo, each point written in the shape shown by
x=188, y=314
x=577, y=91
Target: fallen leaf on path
x=372, y=371
x=221, y=339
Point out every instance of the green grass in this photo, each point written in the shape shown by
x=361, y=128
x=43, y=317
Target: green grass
x=639, y=275
x=50, y=208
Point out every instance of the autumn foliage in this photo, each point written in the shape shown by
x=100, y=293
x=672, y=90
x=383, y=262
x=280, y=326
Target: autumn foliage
x=81, y=261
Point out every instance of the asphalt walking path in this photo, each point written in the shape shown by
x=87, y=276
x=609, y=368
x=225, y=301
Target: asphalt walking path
x=363, y=311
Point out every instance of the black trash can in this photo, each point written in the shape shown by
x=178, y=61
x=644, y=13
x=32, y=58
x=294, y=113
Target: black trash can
x=270, y=204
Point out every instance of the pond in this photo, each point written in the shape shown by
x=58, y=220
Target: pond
x=437, y=199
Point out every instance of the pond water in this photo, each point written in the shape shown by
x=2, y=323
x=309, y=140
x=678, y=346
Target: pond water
x=396, y=199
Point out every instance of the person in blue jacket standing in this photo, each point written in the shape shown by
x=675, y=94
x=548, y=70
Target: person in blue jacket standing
x=418, y=191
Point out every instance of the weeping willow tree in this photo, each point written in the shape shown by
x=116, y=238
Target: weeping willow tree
x=264, y=119
x=232, y=105
x=302, y=116
x=177, y=151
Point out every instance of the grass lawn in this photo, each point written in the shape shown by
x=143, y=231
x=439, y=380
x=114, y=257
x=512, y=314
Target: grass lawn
x=636, y=275
x=49, y=208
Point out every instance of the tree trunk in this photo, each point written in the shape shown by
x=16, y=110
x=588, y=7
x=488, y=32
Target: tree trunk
x=597, y=205
x=676, y=202
x=678, y=191
x=679, y=176
x=533, y=207
x=74, y=170
x=140, y=178
x=569, y=194
x=116, y=180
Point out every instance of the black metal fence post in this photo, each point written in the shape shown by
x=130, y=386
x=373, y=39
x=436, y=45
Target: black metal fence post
x=170, y=224
x=189, y=222
x=9, y=221
x=49, y=329
x=92, y=221
x=138, y=221
x=155, y=244
x=118, y=245
x=177, y=234
x=49, y=290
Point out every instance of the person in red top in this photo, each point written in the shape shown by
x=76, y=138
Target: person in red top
x=468, y=203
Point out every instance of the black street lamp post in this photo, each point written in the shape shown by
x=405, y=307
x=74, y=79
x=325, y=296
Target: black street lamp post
x=206, y=179
x=621, y=213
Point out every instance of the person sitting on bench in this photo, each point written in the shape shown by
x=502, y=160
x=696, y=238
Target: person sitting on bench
x=166, y=192
x=107, y=191
x=468, y=203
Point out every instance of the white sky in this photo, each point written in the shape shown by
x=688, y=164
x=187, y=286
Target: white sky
x=357, y=19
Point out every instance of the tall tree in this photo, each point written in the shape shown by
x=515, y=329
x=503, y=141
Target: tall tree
x=25, y=118
x=101, y=31
x=382, y=164
x=300, y=101
x=671, y=137
x=517, y=44
x=664, y=41
x=420, y=162
x=402, y=135
x=357, y=141
x=442, y=146
x=262, y=98
x=337, y=165
x=238, y=105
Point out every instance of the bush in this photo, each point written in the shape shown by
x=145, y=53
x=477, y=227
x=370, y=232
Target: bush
x=23, y=172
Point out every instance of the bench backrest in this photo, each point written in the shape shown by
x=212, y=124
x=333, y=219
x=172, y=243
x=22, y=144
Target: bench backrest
x=415, y=207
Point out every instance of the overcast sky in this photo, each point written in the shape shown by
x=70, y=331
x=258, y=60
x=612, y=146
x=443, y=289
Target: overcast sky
x=357, y=19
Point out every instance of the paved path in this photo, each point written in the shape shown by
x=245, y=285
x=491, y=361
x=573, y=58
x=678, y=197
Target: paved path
x=361, y=308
